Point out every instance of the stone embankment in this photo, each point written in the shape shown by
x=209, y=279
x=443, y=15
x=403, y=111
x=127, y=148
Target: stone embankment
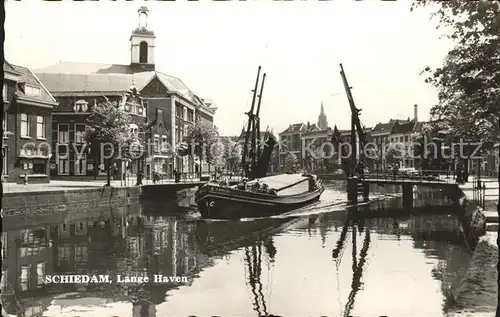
x=60, y=196
x=477, y=295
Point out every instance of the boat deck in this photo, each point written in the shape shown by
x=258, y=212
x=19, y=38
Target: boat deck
x=282, y=180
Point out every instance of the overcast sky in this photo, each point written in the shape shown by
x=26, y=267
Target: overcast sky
x=215, y=48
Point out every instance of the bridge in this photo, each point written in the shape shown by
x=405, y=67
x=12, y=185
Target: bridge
x=422, y=178
x=360, y=185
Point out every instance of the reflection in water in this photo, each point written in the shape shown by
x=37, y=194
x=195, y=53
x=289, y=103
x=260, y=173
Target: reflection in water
x=357, y=272
x=130, y=241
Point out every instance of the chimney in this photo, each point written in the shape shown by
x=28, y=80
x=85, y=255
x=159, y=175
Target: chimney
x=415, y=112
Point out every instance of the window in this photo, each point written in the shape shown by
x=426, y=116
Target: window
x=40, y=127
x=178, y=111
x=25, y=277
x=79, y=133
x=4, y=92
x=32, y=91
x=81, y=253
x=81, y=164
x=39, y=166
x=156, y=144
x=4, y=245
x=177, y=134
x=4, y=125
x=40, y=274
x=164, y=145
x=143, y=52
x=190, y=115
x=184, y=116
x=25, y=125
x=63, y=134
x=63, y=166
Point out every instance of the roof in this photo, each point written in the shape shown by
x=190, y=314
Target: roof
x=384, y=127
x=8, y=67
x=28, y=77
x=296, y=127
x=405, y=127
x=317, y=132
x=65, y=77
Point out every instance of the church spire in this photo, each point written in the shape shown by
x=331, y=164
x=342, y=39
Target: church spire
x=322, y=121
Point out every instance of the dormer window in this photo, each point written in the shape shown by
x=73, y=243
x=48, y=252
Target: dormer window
x=32, y=90
x=80, y=106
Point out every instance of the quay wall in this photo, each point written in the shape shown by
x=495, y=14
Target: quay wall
x=30, y=203
x=165, y=191
x=76, y=199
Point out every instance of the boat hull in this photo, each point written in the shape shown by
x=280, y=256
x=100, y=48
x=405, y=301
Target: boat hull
x=215, y=202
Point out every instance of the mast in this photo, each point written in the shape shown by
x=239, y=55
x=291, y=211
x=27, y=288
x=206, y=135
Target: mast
x=257, y=125
x=250, y=124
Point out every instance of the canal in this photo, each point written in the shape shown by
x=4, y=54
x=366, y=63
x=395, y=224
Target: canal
x=314, y=262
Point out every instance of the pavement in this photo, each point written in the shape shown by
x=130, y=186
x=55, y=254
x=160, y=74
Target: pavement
x=56, y=185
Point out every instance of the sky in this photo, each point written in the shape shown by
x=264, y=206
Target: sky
x=216, y=47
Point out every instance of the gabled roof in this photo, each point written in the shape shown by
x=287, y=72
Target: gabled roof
x=296, y=127
x=69, y=77
x=8, y=67
x=28, y=77
x=404, y=127
x=316, y=132
x=384, y=127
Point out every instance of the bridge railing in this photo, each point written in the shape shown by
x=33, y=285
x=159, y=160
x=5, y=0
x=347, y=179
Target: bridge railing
x=416, y=176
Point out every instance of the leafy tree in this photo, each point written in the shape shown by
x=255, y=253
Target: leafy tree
x=230, y=152
x=291, y=162
x=275, y=159
x=201, y=141
x=108, y=127
x=393, y=156
x=469, y=80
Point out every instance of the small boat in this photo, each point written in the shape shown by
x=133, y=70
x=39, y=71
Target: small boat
x=260, y=196
x=286, y=192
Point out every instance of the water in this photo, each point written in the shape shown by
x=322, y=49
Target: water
x=313, y=262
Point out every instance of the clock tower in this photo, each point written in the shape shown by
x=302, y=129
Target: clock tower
x=142, y=44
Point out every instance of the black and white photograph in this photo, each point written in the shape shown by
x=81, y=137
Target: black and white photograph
x=253, y=158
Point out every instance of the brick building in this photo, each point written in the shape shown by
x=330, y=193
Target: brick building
x=168, y=106
x=400, y=132
x=290, y=142
x=26, y=124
